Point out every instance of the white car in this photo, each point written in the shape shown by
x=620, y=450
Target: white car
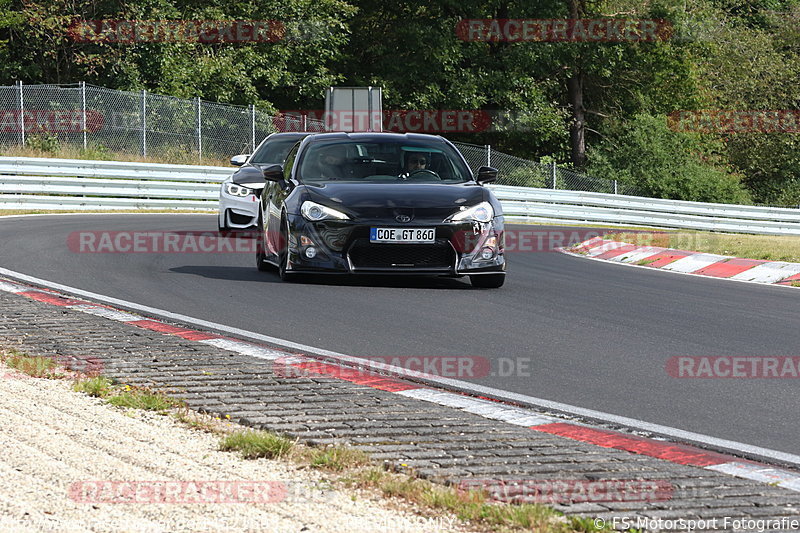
x=238, y=204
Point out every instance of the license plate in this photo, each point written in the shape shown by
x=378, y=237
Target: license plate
x=402, y=235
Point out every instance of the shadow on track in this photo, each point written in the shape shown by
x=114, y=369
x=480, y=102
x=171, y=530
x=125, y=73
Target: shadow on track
x=232, y=273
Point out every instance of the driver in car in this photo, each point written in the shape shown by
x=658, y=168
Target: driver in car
x=414, y=161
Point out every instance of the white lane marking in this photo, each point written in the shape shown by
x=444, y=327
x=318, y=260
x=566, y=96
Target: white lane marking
x=105, y=312
x=740, y=447
x=607, y=247
x=245, y=348
x=484, y=408
x=695, y=262
x=769, y=272
x=775, y=476
x=12, y=287
x=637, y=255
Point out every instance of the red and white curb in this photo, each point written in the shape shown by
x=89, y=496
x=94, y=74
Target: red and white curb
x=683, y=454
x=687, y=262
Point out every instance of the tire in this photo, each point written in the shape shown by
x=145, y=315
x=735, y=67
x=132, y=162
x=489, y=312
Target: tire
x=488, y=281
x=283, y=256
x=261, y=263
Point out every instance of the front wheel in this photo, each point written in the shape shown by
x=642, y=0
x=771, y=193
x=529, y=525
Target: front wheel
x=261, y=256
x=488, y=281
x=283, y=258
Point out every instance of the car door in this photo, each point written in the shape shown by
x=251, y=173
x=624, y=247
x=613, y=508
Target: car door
x=274, y=202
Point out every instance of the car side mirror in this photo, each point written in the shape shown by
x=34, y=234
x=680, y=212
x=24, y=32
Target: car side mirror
x=487, y=174
x=273, y=173
x=239, y=160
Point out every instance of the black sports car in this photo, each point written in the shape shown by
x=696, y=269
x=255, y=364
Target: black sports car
x=380, y=203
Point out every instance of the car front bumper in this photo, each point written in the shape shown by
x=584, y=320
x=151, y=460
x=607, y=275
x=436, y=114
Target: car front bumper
x=237, y=212
x=344, y=247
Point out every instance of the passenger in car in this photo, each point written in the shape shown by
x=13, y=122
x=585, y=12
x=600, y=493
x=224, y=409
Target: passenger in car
x=331, y=163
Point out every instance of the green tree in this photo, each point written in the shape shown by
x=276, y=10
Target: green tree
x=663, y=163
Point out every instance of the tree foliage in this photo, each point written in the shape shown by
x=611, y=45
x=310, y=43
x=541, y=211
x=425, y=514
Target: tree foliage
x=722, y=54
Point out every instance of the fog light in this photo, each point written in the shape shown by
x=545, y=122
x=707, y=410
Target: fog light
x=487, y=253
x=311, y=252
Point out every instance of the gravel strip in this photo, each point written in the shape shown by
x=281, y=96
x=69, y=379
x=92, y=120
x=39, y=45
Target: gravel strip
x=436, y=442
x=53, y=438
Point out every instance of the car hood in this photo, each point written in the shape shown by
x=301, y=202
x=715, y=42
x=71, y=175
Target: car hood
x=379, y=200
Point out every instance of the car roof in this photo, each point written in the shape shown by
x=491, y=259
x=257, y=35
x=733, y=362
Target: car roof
x=374, y=137
x=288, y=135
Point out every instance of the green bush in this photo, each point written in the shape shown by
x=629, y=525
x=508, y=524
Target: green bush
x=523, y=176
x=99, y=152
x=44, y=142
x=645, y=153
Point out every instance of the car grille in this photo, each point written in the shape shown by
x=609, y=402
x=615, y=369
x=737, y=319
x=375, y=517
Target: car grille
x=364, y=254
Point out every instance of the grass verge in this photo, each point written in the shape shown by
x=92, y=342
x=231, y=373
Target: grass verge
x=352, y=468
x=125, y=395
x=767, y=247
x=34, y=366
x=468, y=505
x=97, y=153
x=357, y=472
x=257, y=444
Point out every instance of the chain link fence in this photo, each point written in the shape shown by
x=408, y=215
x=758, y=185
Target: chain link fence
x=526, y=173
x=147, y=124
x=139, y=123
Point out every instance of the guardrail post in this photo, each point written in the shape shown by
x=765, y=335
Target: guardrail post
x=553, y=174
x=83, y=112
x=144, y=123
x=199, y=131
x=21, y=114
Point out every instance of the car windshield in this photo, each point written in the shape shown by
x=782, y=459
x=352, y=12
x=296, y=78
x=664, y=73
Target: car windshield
x=380, y=162
x=273, y=152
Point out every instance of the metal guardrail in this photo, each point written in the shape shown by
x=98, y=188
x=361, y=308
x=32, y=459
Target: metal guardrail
x=34, y=183
x=75, y=184
x=544, y=205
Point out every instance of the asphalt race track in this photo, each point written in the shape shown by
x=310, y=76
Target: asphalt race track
x=596, y=335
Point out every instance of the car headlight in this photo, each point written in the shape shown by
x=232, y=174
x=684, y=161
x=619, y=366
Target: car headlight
x=482, y=212
x=315, y=212
x=238, y=190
